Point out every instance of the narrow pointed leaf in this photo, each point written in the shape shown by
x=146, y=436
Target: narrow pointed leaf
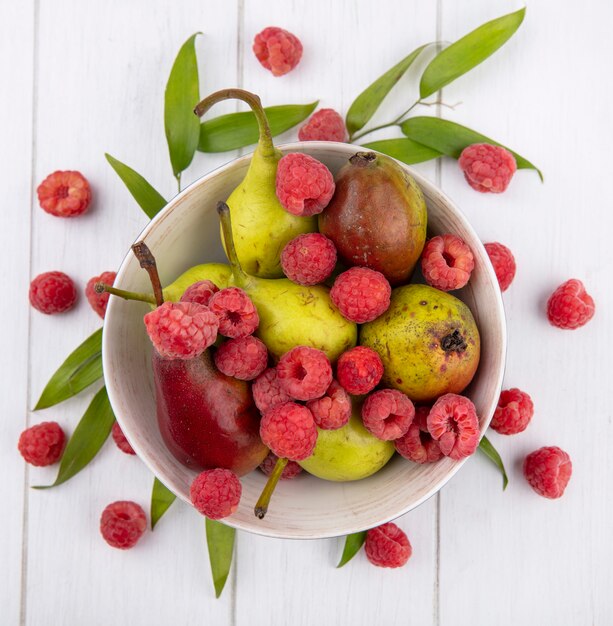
x=82, y=368
x=238, y=130
x=161, y=499
x=450, y=138
x=405, y=150
x=466, y=53
x=365, y=105
x=353, y=543
x=485, y=445
x=220, y=541
x=182, y=95
x=149, y=200
x=87, y=439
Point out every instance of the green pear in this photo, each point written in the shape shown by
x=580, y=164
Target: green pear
x=218, y=273
x=290, y=315
x=260, y=225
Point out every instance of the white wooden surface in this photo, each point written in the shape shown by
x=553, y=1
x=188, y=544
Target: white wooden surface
x=82, y=78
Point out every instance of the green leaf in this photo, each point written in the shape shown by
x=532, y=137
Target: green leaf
x=405, y=150
x=181, y=96
x=450, y=138
x=87, y=439
x=220, y=541
x=353, y=543
x=365, y=105
x=161, y=499
x=485, y=445
x=82, y=368
x=149, y=200
x=466, y=53
x=238, y=130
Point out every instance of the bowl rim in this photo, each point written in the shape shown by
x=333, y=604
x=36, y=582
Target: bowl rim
x=302, y=146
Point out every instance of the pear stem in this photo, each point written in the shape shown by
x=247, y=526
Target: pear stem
x=265, y=143
x=126, y=295
x=261, y=506
x=147, y=262
x=240, y=277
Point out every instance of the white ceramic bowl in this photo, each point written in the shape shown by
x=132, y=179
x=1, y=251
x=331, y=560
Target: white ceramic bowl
x=186, y=233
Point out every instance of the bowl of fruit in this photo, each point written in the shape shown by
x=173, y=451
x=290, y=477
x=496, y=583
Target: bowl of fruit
x=296, y=337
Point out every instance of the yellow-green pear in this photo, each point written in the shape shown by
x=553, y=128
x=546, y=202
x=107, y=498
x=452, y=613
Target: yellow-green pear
x=217, y=273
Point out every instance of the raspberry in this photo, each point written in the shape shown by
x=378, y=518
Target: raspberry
x=52, y=292
x=324, y=125
x=216, y=493
x=120, y=439
x=99, y=301
x=308, y=259
x=332, y=410
x=237, y=315
x=447, y=262
x=267, y=391
x=244, y=358
x=181, y=330
x=200, y=292
x=43, y=444
x=64, y=194
x=387, y=414
x=289, y=430
x=277, y=50
x=453, y=422
x=122, y=524
x=304, y=184
x=387, y=546
x=570, y=306
x=361, y=294
x=291, y=470
x=359, y=370
x=503, y=262
x=417, y=444
x=513, y=413
x=304, y=373
x=487, y=168
x=548, y=471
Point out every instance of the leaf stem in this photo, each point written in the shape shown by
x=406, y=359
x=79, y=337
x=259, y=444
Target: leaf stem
x=261, y=506
x=178, y=177
x=122, y=293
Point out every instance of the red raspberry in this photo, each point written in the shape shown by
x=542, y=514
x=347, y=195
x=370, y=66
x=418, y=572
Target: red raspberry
x=453, y=422
x=447, y=262
x=200, y=292
x=504, y=263
x=570, y=306
x=487, y=168
x=291, y=470
x=52, y=292
x=237, y=314
x=387, y=546
x=308, y=259
x=43, y=444
x=99, y=301
x=120, y=439
x=361, y=294
x=417, y=445
x=333, y=410
x=548, y=471
x=304, y=373
x=181, y=330
x=513, y=413
x=387, y=414
x=122, y=524
x=304, y=184
x=244, y=358
x=289, y=430
x=359, y=370
x=277, y=50
x=216, y=493
x=324, y=125
x=267, y=391
x=64, y=194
